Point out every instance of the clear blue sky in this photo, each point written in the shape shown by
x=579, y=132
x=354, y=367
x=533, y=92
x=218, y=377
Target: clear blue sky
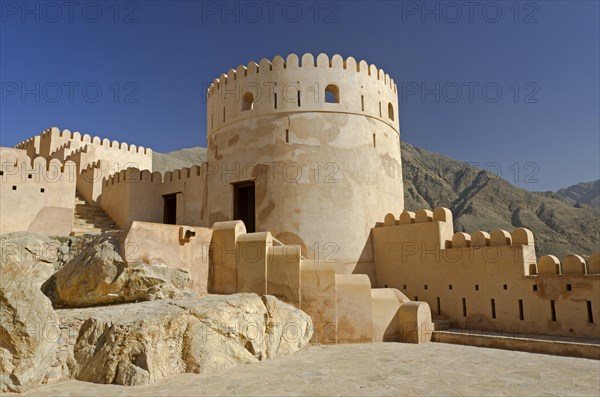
x=151, y=61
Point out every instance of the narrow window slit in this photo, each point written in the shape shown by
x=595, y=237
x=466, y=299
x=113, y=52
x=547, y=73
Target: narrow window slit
x=521, y=316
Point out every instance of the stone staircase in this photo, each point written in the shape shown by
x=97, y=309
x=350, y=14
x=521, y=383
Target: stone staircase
x=90, y=219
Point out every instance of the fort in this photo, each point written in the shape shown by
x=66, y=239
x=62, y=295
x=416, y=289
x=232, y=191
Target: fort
x=301, y=197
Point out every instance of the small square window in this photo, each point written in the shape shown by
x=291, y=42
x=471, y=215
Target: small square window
x=14, y=188
x=569, y=287
x=404, y=286
x=425, y=286
x=450, y=286
x=535, y=287
x=1, y=173
x=29, y=176
x=42, y=190
x=476, y=287
x=505, y=286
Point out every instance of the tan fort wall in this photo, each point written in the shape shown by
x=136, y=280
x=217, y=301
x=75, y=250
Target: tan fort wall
x=31, y=146
x=323, y=172
x=89, y=181
x=134, y=195
x=36, y=196
x=86, y=150
x=486, y=281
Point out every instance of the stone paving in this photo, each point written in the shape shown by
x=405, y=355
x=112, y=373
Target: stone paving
x=434, y=369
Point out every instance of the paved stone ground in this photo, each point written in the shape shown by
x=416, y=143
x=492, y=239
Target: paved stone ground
x=435, y=369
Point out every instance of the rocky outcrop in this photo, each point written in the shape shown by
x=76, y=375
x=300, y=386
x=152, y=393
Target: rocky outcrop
x=28, y=324
x=140, y=343
x=582, y=193
x=100, y=275
x=126, y=344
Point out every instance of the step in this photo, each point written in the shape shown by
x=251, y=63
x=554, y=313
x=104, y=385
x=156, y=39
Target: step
x=95, y=220
x=90, y=219
x=440, y=325
x=556, y=345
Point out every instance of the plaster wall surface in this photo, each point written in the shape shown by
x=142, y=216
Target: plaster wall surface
x=36, y=196
x=134, y=195
x=158, y=243
x=492, y=287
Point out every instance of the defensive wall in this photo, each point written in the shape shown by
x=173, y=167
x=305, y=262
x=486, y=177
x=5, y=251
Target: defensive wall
x=134, y=195
x=487, y=281
x=37, y=195
x=87, y=151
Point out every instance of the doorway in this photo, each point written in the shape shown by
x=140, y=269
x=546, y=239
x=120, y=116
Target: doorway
x=170, y=209
x=243, y=204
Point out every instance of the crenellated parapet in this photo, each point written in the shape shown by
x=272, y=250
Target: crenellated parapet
x=134, y=194
x=31, y=146
x=489, y=281
x=498, y=237
x=20, y=168
x=302, y=84
x=571, y=264
x=84, y=149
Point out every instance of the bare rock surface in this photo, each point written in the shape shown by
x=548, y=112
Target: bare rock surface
x=100, y=275
x=27, y=319
x=136, y=344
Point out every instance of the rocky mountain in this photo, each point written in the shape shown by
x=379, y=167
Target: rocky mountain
x=582, y=193
x=480, y=200
x=562, y=222
x=170, y=161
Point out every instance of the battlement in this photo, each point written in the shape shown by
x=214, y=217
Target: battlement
x=134, y=194
x=487, y=280
x=305, y=84
x=97, y=141
x=498, y=237
x=570, y=265
x=133, y=175
x=307, y=61
x=61, y=144
x=22, y=169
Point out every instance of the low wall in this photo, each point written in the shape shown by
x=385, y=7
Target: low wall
x=181, y=247
x=486, y=281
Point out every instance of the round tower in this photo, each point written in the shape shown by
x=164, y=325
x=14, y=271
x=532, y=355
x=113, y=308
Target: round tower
x=308, y=149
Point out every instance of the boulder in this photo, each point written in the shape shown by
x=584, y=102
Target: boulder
x=28, y=323
x=140, y=343
x=100, y=275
